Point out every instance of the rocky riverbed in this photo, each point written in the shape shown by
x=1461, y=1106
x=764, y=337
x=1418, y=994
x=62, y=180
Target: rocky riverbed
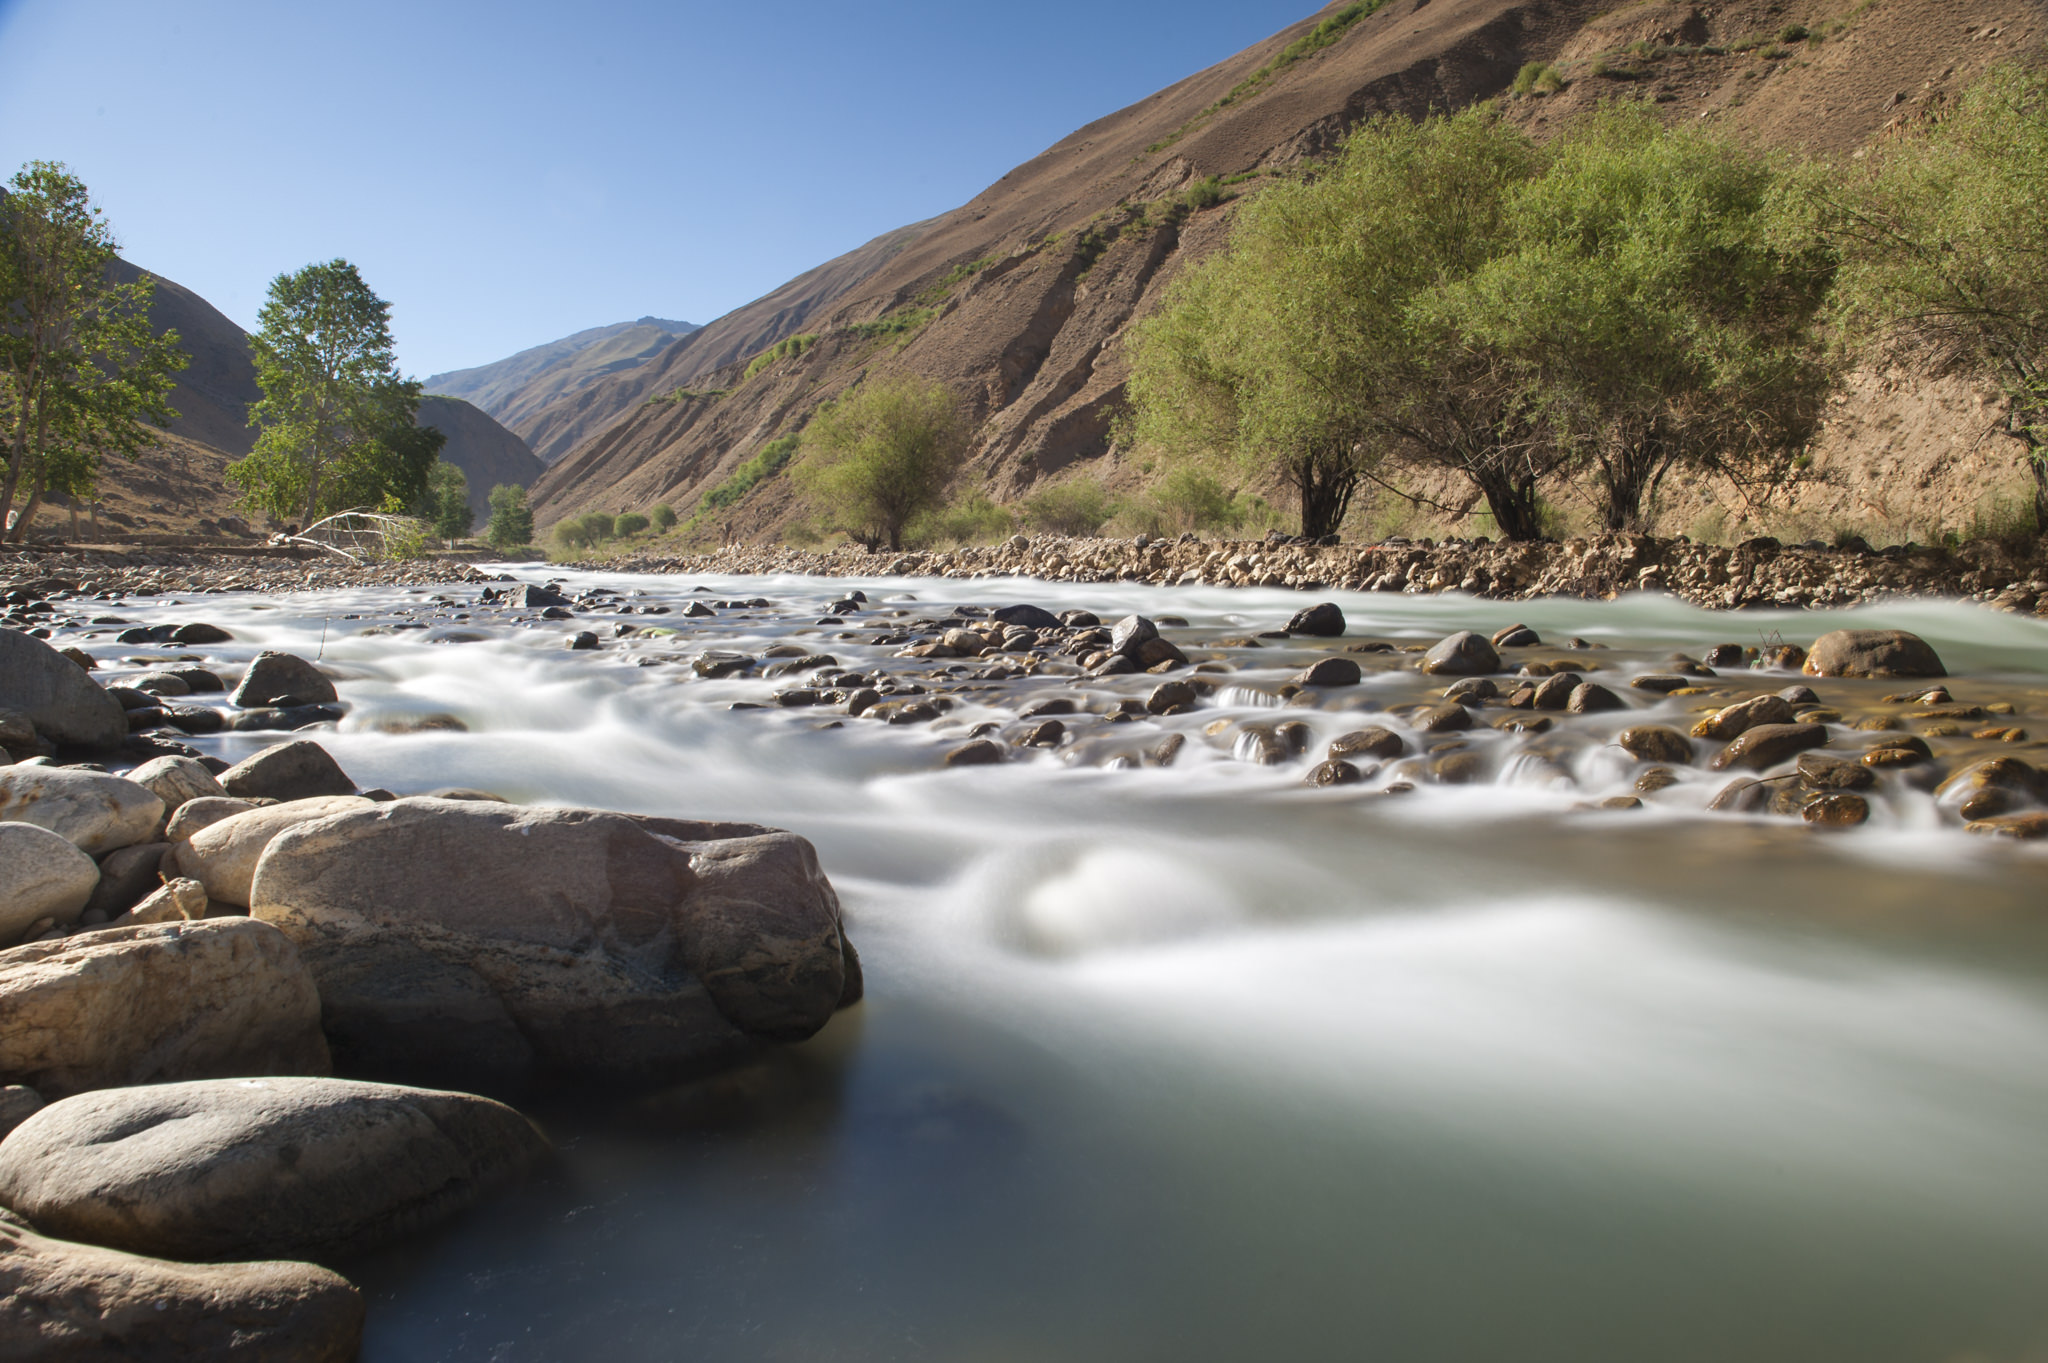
x=330, y=876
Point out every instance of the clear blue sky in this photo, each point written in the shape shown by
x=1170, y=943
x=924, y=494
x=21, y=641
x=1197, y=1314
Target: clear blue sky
x=507, y=173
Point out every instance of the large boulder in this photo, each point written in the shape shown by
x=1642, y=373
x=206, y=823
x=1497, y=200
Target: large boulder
x=95, y=812
x=68, y=1303
x=142, y=1005
x=177, y=780
x=1872, y=653
x=297, y=770
x=41, y=876
x=222, y=856
x=495, y=945
x=282, y=679
x=54, y=694
x=260, y=1168
x=1325, y=619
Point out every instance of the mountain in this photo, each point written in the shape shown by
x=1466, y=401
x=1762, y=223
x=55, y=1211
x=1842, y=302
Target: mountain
x=570, y=420
x=1019, y=299
x=514, y=389
x=216, y=387
x=485, y=451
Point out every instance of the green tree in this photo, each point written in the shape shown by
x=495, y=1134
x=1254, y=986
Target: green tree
x=1316, y=347
x=81, y=373
x=1079, y=506
x=445, y=506
x=664, y=517
x=511, y=523
x=335, y=423
x=882, y=453
x=1944, y=246
x=628, y=524
x=1652, y=308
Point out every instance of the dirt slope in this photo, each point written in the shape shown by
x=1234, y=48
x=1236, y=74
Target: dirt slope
x=214, y=391
x=1019, y=299
x=515, y=389
x=485, y=451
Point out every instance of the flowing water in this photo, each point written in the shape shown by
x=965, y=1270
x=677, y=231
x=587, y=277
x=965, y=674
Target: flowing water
x=1198, y=1063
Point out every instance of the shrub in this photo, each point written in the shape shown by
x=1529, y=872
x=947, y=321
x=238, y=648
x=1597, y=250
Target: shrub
x=664, y=517
x=974, y=519
x=774, y=456
x=511, y=524
x=1191, y=499
x=788, y=348
x=1206, y=192
x=631, y=523
x=1080, y=506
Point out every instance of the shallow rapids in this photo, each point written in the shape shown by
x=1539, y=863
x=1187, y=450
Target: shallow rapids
x=1197, y=1062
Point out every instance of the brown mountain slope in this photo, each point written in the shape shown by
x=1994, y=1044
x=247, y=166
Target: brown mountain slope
x=484, y=450
x=214, y=391
x=1031, y=285
x=574, y=418
x=513, y=390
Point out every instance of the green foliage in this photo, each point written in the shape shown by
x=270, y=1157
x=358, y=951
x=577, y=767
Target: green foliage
x=688, y=395
x=1539, y=78
x=81, y=373
x=788, y=348
x=664, y=518
x=587, y=531
x=1307, y=45
x=1206, y=192
x=1079, y=506
x=335, y=423
x=900, y=325
x=1944, y=248
x=511, y=523
x=445, y=507
x=1192, y=499
x=974, y=519
x=774, y=456
x=628, y=524
x=1316, y=345
x=881, y=454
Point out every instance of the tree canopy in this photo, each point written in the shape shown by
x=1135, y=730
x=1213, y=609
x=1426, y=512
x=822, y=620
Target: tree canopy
x=882, y=453
x=335, y=423
x=81, y=373
x=511, y=523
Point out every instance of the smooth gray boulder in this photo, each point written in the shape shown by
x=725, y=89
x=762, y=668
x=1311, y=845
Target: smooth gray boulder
x=498, y=945
x=69, y=1303
x=56, y=696
x=204, y=812
x=177, y=780
x=289, y=1168
x=95, y=812
x=143, y=1005
x=222, y=856
x=41, y=876
x=296, y=770
x=281, y=679
x=1872, y=653
x=1463, y=654
x=127, y=877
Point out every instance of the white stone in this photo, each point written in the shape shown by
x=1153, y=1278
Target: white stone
x=94, y=811
x=41, y=876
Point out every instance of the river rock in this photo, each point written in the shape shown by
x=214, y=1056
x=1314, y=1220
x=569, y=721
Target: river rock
x=1334, y=771
x=56, y=696
x=1767, y=745
x=223, y=856
x=1840, y=809
x=175, y=780
x=1131, y=633
x=1329, y=672
x=177, y=899
x=94, y=811
x=981, y=752
x=204, y=812
x=18, y=1103
x=1656, y=743
x=1324, y=619
x=127, y=875
x=1372, y=742
x=1463, y=654
x=199, y=633
x=1733, y=720
x=1994, y=786
x=296, y=770
x=282, y=679
x=41, y=876
x=505, y=945
x=266, y=1167
x=1153, y=654
x=1170, y=698
x=1029, y=617
x=166, y=1001
x=1872, y=653
x=69, y=1303
x=1589, y=698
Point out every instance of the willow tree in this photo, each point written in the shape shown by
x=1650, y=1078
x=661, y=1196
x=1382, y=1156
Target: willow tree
x=1652, y=307
x=336, y=421
x=1316, y=345
x=882, y=453
x=82, y=375
x=1944, y=246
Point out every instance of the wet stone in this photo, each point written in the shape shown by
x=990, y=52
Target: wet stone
x=1334, y=772
x=1656, y=779
x=1372, y=742
x=1656, y=743
x=1592, y=698
x=1462, y=654
x=1767, y=745
x=1822, y=772
x=1329, y=672
x=982, y=752
x=1838, y=810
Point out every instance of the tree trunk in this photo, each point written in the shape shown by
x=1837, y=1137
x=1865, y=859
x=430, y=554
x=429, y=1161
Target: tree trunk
x=1325, y=483
x=28, y=514
x=1512, y=501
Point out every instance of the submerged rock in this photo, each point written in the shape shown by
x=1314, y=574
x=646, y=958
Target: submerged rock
x=260, y=1168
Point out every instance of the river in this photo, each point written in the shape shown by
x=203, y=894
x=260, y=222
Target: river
x=1198, y=1063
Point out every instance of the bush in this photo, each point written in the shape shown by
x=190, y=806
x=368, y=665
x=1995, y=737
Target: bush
x=632, y=523
x=774, y=456
x=788, y=348
x=1206, y=192
x=664, y=517
x=1080, y=506
x=1190, y=499
x=974, y=519
x=586, y=531
x=511, y=524
x=881, y=454
x=445, y=507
